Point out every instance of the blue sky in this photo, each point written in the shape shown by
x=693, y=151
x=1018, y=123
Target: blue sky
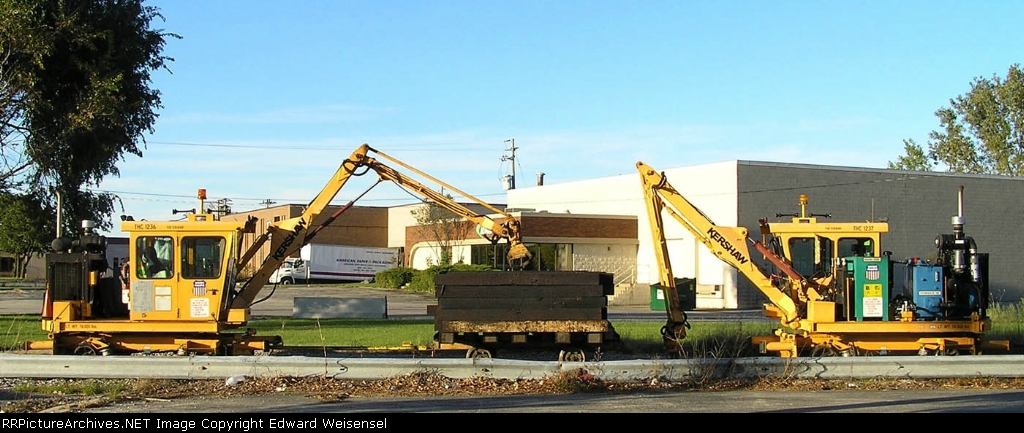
x=265, y=99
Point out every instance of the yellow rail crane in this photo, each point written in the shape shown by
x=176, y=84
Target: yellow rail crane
x=831, y=287
x=180, y=290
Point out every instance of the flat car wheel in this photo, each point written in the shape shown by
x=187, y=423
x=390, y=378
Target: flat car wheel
x=572, y=356
x=476, y=353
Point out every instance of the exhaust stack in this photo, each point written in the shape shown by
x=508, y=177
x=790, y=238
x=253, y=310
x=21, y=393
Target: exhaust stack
x=958, y=220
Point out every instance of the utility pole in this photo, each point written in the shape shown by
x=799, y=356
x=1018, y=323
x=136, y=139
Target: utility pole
x=267, y=202
x=512, y=148
x=223, y=206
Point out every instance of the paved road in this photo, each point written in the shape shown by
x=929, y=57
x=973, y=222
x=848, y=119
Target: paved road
x=839, y=401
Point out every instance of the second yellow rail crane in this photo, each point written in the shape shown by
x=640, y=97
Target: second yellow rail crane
x=832, y=288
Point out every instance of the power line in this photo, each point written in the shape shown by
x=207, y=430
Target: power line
x=265, y=201
x=417, y=148
x=751, y=191
x=603, y=199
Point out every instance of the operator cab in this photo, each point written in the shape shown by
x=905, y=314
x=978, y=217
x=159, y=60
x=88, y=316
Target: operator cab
x=843, y=260
x=814, y=248
x=183, y=271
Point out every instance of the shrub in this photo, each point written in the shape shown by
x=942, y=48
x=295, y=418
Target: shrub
x=394, y=278
x=423, y=281
x=245, y=274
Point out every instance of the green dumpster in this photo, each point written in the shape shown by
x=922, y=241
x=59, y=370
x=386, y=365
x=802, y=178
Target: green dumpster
x=687, y=290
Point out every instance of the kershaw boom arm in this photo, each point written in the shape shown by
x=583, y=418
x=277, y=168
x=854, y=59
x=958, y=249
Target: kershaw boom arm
x=729, y=244
x=288, y=236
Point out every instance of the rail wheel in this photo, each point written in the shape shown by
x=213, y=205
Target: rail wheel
x=85, y=349
x=572, y=355
x=478, y=353
x=824, y=350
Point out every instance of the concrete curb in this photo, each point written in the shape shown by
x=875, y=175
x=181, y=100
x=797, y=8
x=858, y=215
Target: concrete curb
x=207, y=367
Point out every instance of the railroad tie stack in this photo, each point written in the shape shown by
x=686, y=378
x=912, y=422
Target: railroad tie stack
x=523, y=307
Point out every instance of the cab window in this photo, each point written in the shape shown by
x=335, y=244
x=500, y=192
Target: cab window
x=155, y=257
x=201, y=257
x=811, y=259
x=861, y=247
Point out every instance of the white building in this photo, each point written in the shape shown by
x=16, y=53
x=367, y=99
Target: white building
x=917, y=205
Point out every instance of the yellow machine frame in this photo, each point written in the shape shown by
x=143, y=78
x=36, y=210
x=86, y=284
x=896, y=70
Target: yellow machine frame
x=196, y=304
x=802, y=304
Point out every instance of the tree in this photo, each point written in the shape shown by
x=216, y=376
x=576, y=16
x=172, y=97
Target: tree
x=914, y=159
x=76, y=97
x=982, y=131
x=448, y=230
x=23, y=230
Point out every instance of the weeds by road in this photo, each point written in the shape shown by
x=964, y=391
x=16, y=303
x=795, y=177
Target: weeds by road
x=67, y=396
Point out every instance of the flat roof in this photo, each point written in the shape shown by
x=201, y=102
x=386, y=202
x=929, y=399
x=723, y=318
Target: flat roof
x=906, y=173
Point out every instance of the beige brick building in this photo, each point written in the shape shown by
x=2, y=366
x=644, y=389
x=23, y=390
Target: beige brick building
x=560, y=241
x=358, y=226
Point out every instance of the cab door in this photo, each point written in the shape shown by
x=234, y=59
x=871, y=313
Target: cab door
x=154, y=277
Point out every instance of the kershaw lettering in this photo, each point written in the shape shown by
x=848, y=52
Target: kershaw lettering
x=279, y=253
x=716, y=236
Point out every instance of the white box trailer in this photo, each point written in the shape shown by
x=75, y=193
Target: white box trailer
x=322, y=262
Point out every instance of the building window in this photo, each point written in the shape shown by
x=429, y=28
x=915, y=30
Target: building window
x=546, y=257
x=490, y=255
x=859, y=247
x=550, y=257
